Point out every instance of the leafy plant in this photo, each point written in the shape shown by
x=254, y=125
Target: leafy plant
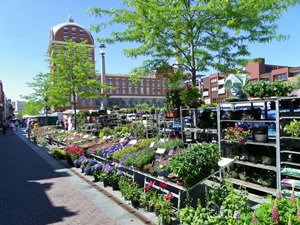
x=196, y=163
x=293, y=128
x=236, y=133
x=264, y=89
x=190, y=96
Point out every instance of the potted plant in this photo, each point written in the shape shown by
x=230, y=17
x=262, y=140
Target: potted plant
x=293, y=128
x=134, y=194
x=190, y=97
x=166, y=212
x=260, y=134
x=73, y=153
x=236, y=134
x=173, y=102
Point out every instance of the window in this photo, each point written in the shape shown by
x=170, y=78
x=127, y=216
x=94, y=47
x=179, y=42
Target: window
x=147, y=83
x=90, y=54
x=83, y=102
x=214, y=89
x=147, y=91
x=281, y=77
x=81, y=32
x=142, y=90
x=66, y=30
x=74, y=39
x=117, y=91
x=110, y=81
x=158, y=91
x=65, y=38
x=153, y=83
x=123, y=90
x=91, y=103
x=73, y=30
x=129, y=83
x=123, y=82
x=129, y=91
x=153, y=91
x=136, y=90
x=110, y=91
x=214, y=80
x=158, y=83
x=142, y=83
x=164, y=83
x=117, y=81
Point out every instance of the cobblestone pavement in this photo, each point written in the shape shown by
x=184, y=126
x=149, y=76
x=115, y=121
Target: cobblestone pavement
x=35, y=189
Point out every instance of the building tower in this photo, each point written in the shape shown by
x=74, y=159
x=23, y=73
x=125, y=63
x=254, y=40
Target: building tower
x=60, y=34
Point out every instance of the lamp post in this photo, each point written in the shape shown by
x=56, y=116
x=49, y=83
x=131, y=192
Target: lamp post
x=102, y=53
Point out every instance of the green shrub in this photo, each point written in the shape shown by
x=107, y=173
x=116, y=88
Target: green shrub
x=58, y=153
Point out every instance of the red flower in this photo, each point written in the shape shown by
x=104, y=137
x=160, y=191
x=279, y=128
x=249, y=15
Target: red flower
x=149, y=186
x=163, y=185
x=74, y=150
x=169, y=196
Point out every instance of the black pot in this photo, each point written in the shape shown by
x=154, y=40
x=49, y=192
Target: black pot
x=115, y=186
x=105, y=183
x=135, y=203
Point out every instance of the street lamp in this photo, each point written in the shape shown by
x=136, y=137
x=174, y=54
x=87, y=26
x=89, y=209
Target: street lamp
x=102, y=53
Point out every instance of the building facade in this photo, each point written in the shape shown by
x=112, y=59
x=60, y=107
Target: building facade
x=60, y=34
x=213, y=85
x=18, y=106
x=124, y=92
x=2, y=101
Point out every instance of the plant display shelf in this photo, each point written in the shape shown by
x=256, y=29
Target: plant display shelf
x=257, y=192
x=290, y=173
x=250, y=185
x=191, y=128
x=256, y=165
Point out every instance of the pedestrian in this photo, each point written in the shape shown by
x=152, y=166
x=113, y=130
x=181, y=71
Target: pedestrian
x=5, y=125
x=29, y=128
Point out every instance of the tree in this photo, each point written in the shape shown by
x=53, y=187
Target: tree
x=40, y=95
x=31, y=108
x=72, y=74
x=198, y=34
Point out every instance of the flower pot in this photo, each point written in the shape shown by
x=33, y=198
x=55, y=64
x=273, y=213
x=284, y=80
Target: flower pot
x=260, y=137
x=164, y=222
x=171, y=114
x=115, y=186
x=105, y=183
x=150, y=208
x=135, y=203
x=70, y=161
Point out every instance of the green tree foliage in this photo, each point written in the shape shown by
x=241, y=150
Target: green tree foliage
x=198, y=34
x=72, y=74
x=31, y=108
x=40, y=85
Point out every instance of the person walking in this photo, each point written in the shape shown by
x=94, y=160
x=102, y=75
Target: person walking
x=29, y=128
x=5, y=125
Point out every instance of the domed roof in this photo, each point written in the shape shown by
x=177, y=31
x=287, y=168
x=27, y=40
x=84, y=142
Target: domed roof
x=70, y=22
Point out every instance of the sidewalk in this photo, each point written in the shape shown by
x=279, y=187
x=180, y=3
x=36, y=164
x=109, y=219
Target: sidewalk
x=37, y=189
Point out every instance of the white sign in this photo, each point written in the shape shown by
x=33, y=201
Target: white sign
x=152, y=144
x=160, y=150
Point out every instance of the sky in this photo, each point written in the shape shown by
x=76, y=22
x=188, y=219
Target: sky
x=25, y=28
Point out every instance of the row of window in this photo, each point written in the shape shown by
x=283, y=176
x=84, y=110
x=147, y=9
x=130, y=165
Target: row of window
x=123, y=82
x=84, y=101
x=74, y=39
x=74, y=30
x=135, y=90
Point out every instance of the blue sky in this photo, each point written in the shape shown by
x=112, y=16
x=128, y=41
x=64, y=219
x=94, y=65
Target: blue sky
x=24, y=38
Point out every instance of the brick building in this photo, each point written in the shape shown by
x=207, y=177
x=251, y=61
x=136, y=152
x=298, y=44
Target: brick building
x=2, y=102
x=213, y=85
x=124, y=92
x=60, y=34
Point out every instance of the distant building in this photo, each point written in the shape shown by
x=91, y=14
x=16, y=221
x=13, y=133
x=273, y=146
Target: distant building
x=126, y=93
x=213, y=85
x=18, y=106
x=2, y=102
x=8, y=109
x=60, y=34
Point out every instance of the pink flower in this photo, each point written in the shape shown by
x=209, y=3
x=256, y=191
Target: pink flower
x=254, y=218
x=293, y=198
x=169, y=196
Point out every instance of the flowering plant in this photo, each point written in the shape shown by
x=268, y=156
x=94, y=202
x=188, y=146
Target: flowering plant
x=236, y=133
x=74, y=151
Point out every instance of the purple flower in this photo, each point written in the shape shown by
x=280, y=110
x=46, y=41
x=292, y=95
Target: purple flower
x=77, y=163
x=275, y=213
x=92, y=162
x=107, y=168
x=97, y=167
x=87, y=170
x=216, y=207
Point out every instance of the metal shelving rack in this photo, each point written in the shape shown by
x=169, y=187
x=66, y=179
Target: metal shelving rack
x=289, y=148
x=191, y=129
x=256, y=190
